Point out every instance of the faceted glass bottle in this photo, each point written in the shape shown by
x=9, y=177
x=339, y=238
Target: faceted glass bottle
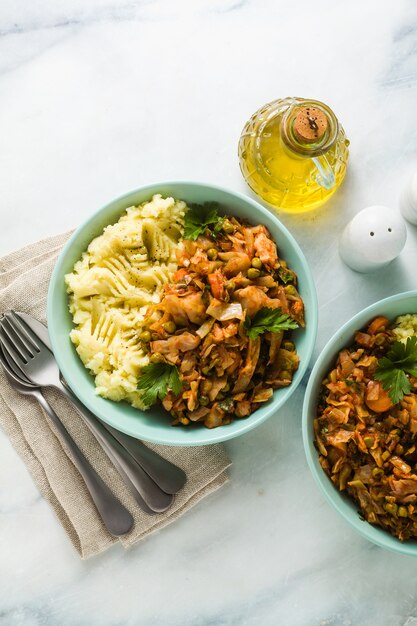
x=293, y=153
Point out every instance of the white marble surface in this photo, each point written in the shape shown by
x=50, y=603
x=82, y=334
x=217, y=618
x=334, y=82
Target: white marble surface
x=99, y=97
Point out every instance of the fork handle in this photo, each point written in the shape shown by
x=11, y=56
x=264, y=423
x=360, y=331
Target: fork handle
x=114, y=515
x=148, y=490
x=168, y=476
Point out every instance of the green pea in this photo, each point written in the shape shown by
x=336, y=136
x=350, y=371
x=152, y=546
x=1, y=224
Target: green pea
x=402, y=511
x=228, y=227
x=391, y=508
x=257, y=263
x=368, y=441
x=170, y=327
x=253, y=273
x=290, y=290
x=212, y=254
x=203, y=400
x=145, y=336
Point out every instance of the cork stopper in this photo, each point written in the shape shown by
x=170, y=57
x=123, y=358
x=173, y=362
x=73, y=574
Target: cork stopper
x=310, y=125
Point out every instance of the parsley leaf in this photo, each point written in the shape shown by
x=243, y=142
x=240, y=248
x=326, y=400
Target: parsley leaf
x=401, y=359
x=217, y=228
x=395, y=382
x=202, y=216
x=156, y=380
x=405, y=355
x=266, y=319
x=286, y=275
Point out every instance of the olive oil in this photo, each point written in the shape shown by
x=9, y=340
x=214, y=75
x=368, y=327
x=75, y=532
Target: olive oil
x=293, y=153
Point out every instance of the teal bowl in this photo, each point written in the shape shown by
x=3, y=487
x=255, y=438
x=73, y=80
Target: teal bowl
x=154, y=425
x=390, y=307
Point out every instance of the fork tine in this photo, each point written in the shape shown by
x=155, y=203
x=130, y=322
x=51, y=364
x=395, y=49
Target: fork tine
x=9, y=364
x=10, y=349
x=15, y=340
x=25, y=336
x=8, y=333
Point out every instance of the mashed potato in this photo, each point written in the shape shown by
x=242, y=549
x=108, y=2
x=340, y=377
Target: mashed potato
x=405, y=326
x=121, y=273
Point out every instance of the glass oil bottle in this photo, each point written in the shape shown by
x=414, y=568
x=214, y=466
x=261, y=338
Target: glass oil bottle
x=293, y=153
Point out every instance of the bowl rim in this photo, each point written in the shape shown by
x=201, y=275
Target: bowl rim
x=375, y=534
x=216, y=436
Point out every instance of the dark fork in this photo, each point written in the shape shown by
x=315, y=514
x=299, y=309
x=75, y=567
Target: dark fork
x=169, y=477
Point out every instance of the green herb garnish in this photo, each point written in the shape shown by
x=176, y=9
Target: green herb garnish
x=286, y=275
x=392, y=369
x=156, y=380
x=268, y=320
x=200, y=217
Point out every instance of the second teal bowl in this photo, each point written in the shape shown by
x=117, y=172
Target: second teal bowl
x=154, y=425
x=389, y=307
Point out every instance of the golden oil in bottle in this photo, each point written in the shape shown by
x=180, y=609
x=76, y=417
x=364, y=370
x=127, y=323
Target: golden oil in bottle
x=293, y=153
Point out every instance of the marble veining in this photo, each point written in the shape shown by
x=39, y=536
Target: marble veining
x=100, y=97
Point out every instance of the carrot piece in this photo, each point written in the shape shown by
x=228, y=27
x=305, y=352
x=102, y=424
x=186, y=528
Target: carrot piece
x=363, y=339
x=180, y=275
x=216, y=281
x=377, y=399
x=378, y=324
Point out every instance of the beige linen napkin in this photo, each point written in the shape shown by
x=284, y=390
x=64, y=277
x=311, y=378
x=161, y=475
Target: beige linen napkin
x=24, y=279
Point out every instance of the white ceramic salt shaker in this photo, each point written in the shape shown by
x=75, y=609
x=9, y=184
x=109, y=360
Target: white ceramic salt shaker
x=373, y=238
x=408, y=200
